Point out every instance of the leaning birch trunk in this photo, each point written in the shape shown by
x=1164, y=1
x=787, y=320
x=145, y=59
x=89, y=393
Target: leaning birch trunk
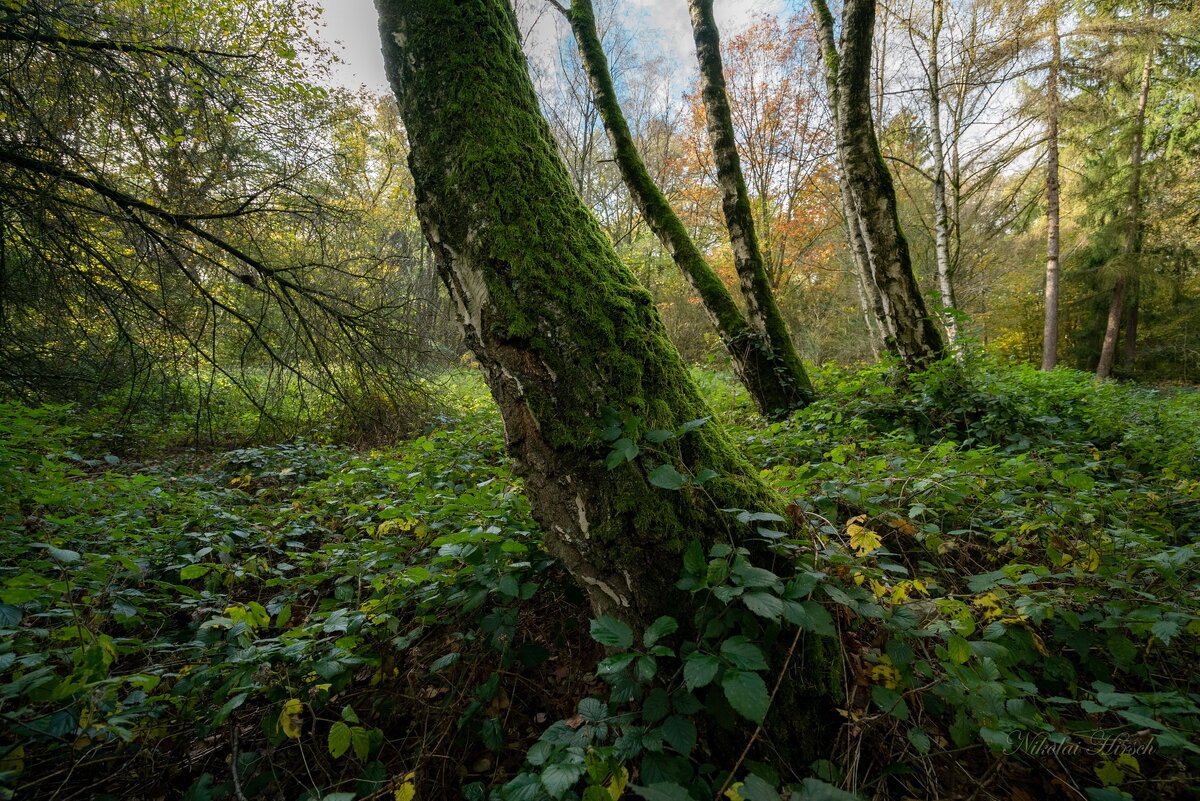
x=1050, y=325
x=941, y=212
x=776, y=382
x=908, y=330
x=761, y=306
x=868, y=293
x=1133, y=231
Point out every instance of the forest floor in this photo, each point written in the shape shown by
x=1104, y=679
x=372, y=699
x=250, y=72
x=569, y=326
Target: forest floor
x=1007, y=558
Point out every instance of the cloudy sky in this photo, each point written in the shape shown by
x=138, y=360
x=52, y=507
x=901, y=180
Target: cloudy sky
x=352, y=23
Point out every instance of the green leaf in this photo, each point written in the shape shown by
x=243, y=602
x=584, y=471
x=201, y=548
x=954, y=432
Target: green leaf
x=194, y=571
x=662, y=791
x=593, y=710
x=680, y=734
x=1080, y=481
x=9, y=615
x=1165, y=630
x=959, y=649
x=509, y=586
x=755, y=788
x=919, y=739
x=444, y=662
x=810, y=616
x=624, y=450
x=890, y=701
x=746, y=693
x=763, y=604
x=667, y=477
x=998, y=740
x=615, y=663
x=360, y=741
x=656, y=706
x=658, y=629
x=817, y=790
x=611, y=632
x=659, y=435
x=62, y=555
x=558, y=778
x=743, y=654
x=700, y=669
x=750, y=576
x=339, y=739
x=705, y=475
x=694, y=563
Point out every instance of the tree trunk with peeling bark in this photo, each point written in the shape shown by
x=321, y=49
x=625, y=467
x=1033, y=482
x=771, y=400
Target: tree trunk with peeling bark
x=1131, y=245
x=767, y=364
x=908, y=330
x=565, y=336
x=941, y=211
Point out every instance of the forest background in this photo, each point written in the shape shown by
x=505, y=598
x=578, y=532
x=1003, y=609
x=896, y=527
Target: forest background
x=261, y=533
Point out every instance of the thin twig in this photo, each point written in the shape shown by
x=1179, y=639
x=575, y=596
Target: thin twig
x=770, y=701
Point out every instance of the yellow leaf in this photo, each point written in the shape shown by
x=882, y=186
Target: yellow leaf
x=13, y=761
x=499, y=704
x=407, y=790
x=732, y=793
x=290, y=720
x=616, y=787
x=1109, y=772
x=886, y=675
x=1129, y=761
x=862, y=540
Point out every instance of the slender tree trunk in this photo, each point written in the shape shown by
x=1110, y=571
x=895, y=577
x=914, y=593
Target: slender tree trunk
x=1050, y=324
x=880, y=62
x=868, y=293
x=868, y=297
x=941, y=212
x=1133, y=230
x=761, y=306
x=776, y=381
x=1129, y=340
x=908, y=330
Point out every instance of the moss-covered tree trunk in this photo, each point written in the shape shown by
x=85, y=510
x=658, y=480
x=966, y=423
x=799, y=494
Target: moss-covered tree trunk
x=908, y=330
x=761, y=347
x=561, y=328
x=761, y=306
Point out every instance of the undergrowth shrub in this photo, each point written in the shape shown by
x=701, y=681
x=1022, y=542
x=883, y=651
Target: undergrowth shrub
x=1004, y=559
